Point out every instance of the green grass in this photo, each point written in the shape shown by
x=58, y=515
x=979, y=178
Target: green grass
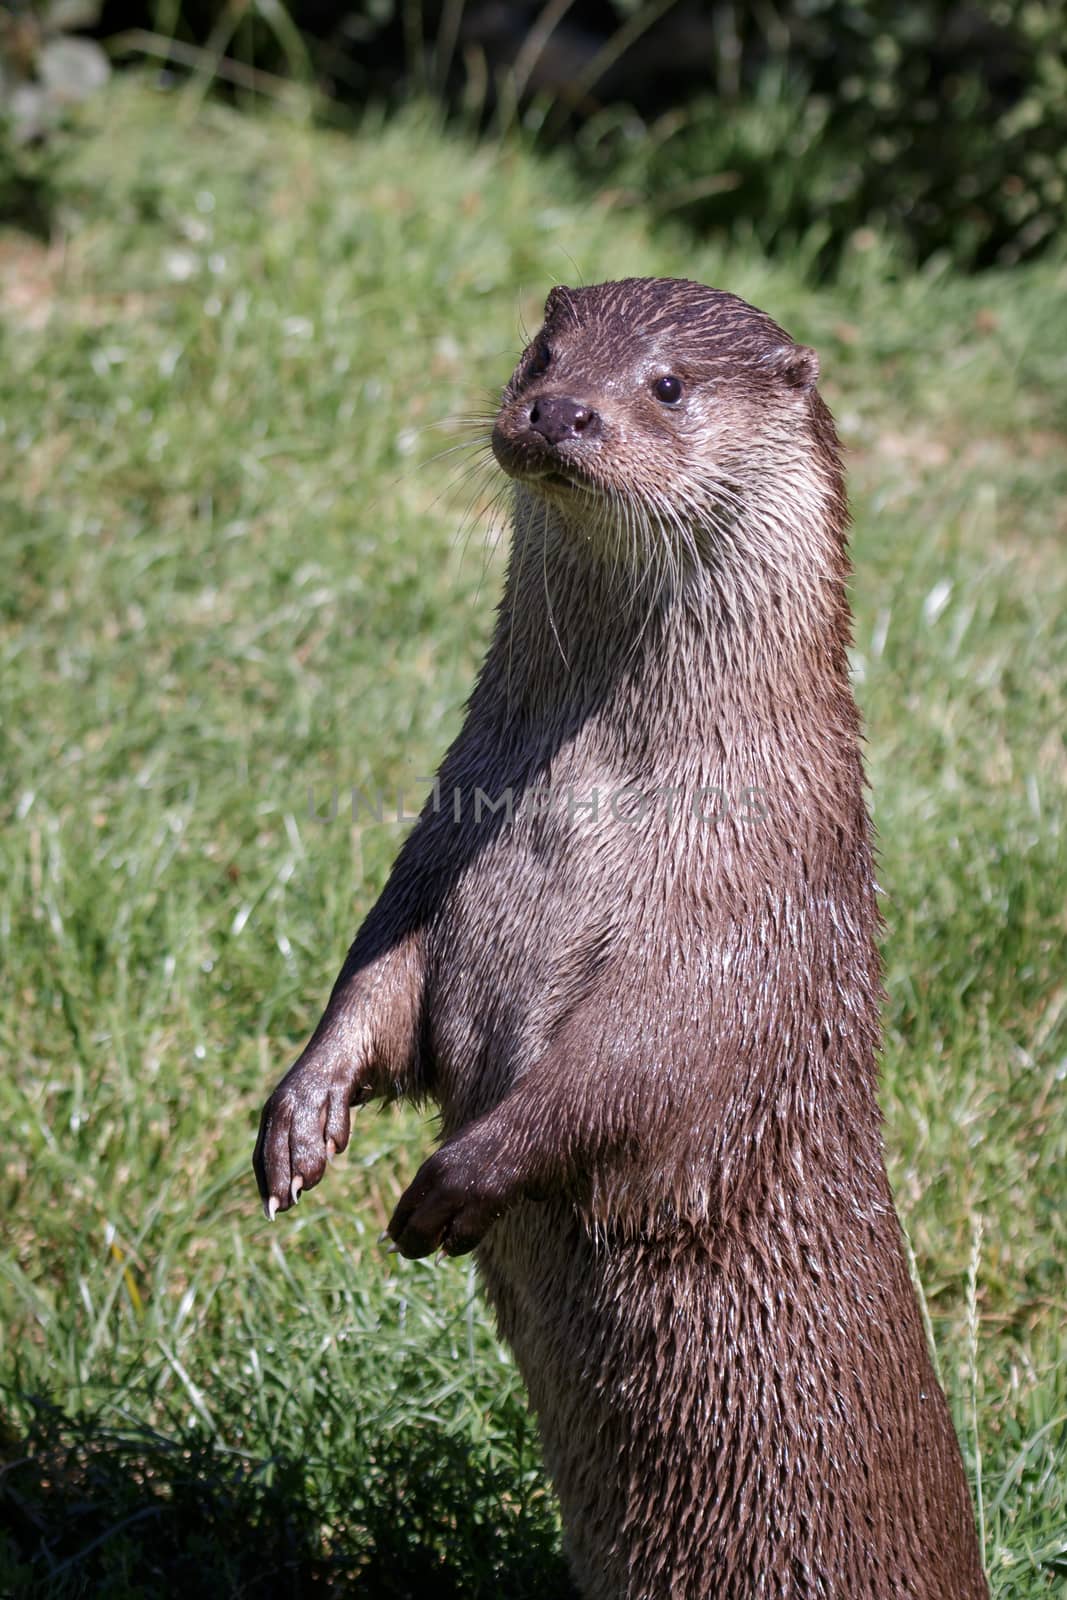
x=231, y=575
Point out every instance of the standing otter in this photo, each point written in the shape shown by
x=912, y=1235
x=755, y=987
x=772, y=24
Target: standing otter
x=630, y=951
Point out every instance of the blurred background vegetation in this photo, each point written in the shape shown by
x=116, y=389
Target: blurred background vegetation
x=941, y=124
x=254, y=259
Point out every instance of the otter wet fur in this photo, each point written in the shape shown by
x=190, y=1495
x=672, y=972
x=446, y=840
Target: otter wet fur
x=629, y=950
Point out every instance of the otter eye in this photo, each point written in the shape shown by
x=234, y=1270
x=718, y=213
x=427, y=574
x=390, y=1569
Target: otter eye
x=539, y=361
x=668, y=389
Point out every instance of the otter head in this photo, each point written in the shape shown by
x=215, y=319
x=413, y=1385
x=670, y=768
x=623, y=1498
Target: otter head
x=655, y=414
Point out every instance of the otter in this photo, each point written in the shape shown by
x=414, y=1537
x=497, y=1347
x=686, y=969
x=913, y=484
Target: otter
x=629, y=950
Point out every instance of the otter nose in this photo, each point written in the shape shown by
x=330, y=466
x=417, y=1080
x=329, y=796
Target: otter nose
x=557, y=417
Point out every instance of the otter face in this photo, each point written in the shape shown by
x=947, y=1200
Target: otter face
x=661, y=405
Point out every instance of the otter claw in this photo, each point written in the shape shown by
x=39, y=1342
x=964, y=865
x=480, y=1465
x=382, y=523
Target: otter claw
x=272, y=1207
x=295, y=1188
x=331, y=1149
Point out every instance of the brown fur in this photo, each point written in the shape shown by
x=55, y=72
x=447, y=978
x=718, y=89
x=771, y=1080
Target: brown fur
x=653, y=1040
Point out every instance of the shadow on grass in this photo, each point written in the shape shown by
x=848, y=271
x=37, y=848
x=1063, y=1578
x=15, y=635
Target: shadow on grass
x=91, y=1509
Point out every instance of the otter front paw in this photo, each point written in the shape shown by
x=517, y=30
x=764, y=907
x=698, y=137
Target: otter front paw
x=303, y=1125
x=449, y=1206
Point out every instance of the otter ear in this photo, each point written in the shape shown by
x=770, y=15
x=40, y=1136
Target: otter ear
x=797, y=365
x=560, y=302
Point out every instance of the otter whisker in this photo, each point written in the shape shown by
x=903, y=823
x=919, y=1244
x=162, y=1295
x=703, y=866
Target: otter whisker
x=480, y=511
x=548, y=597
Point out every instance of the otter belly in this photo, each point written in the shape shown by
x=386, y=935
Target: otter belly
x=715, y=1433
x=514, y=949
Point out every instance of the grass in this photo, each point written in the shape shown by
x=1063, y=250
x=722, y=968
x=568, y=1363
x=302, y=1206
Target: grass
x=233, y=577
